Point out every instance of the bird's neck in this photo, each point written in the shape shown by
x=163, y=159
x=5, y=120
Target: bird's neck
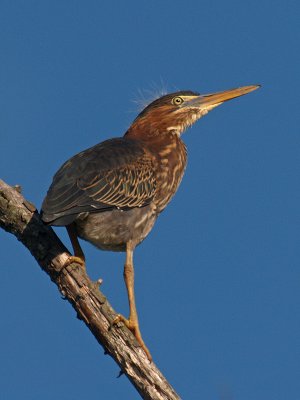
x=171, y=155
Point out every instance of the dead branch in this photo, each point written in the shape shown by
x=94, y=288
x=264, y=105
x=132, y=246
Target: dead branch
x=20, y=217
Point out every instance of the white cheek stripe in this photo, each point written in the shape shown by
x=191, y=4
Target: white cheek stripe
x=199, y=112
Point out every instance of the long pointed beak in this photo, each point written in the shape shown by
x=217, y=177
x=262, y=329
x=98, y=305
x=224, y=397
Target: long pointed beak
x=212, y=100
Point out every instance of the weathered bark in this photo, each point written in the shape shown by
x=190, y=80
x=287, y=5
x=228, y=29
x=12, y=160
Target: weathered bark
x=21, y=218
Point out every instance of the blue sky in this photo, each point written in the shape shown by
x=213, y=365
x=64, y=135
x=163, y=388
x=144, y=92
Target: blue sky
x=217, y=280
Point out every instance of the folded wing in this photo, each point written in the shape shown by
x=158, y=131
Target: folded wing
x=117, y=173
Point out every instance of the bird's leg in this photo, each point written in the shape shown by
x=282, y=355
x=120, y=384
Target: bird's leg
x=78, y=253
x=132, y=322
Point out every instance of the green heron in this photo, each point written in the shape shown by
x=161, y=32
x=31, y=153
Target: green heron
x=111, y=194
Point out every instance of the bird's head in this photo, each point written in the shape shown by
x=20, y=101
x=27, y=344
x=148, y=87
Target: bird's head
x=175, y=112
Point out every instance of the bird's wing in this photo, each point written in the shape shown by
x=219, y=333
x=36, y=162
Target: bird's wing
x=117, y=173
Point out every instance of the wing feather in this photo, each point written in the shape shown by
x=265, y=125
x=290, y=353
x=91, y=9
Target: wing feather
x=118, y=173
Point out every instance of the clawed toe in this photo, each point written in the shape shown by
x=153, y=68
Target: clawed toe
x=121, y=318
x=133, y=326
x=74, y=259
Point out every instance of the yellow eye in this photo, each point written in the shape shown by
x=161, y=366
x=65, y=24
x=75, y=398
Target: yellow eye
x=177, y=101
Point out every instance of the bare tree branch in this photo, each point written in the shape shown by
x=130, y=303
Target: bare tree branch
x=21, y=218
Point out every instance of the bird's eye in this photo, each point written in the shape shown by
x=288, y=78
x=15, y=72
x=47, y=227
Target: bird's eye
x=177, y=101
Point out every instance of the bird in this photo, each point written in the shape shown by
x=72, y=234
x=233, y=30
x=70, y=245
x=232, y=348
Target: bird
x=112, y=193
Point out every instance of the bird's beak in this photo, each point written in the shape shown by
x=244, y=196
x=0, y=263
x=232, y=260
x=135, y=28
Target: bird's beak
x=212, y=100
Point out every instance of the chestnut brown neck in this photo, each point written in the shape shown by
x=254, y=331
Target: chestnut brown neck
x=171, y=157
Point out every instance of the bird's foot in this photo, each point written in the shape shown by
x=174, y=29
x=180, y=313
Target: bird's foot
x=75, y=259
x=133, y=326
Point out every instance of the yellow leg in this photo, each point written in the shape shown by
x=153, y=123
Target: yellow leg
x=132, y=322
x=78, y=253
